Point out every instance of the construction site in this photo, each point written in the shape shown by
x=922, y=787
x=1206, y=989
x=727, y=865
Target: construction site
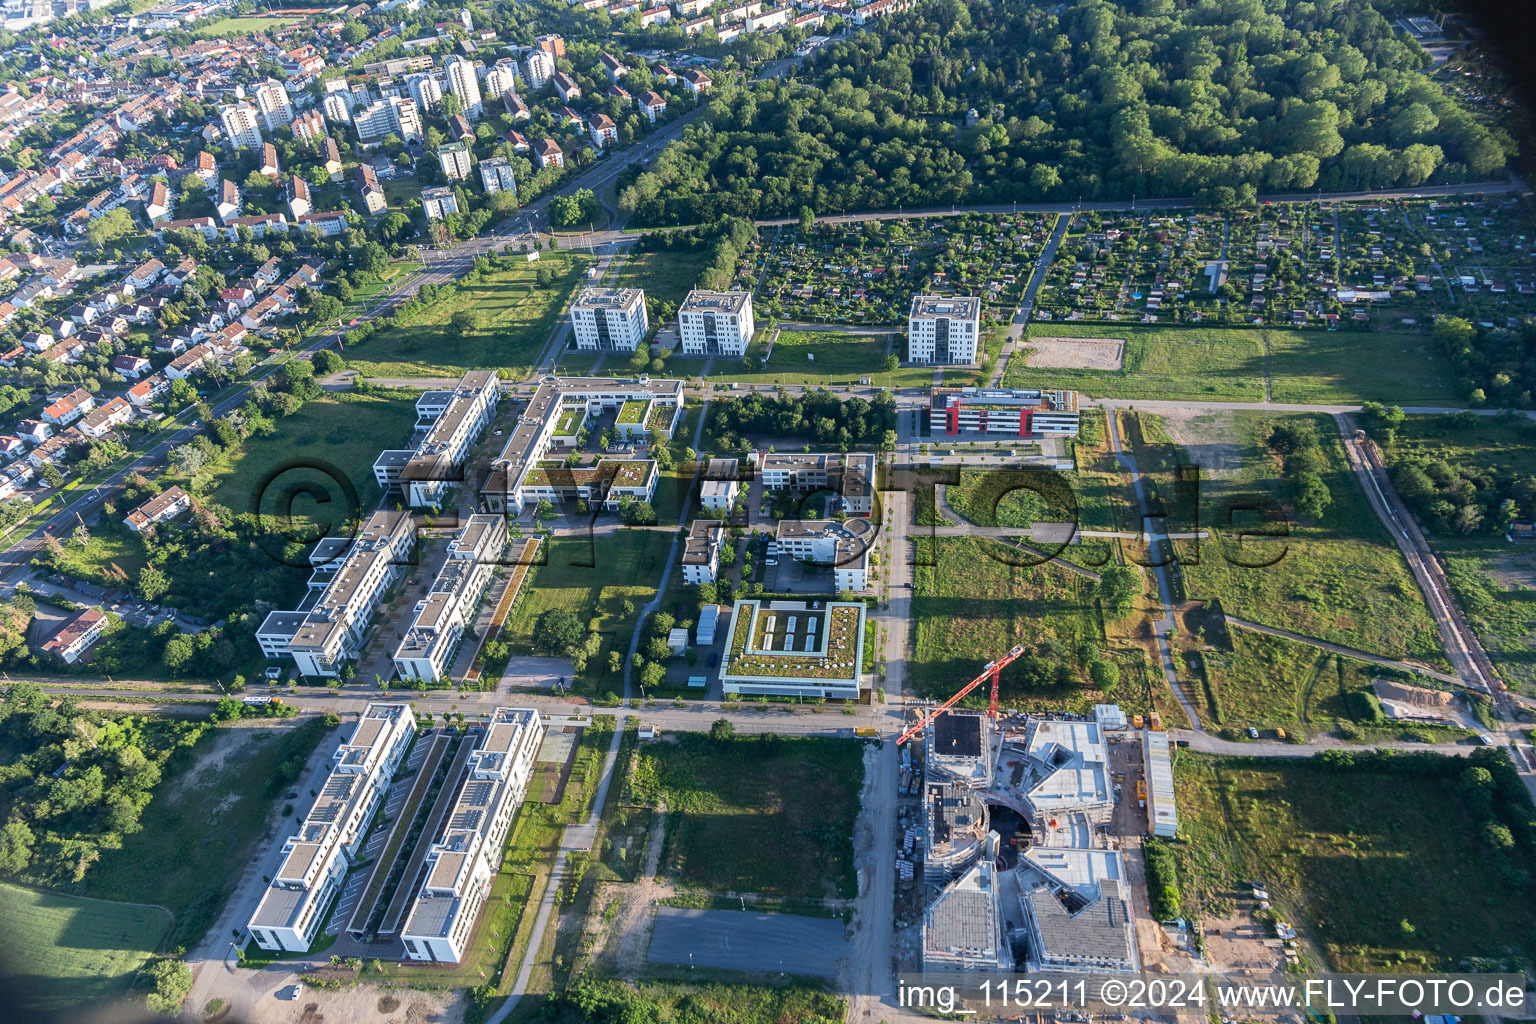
x=1015, y=833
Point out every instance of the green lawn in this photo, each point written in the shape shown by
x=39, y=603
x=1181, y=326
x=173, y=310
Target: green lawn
x=808, y=357
x=1230, y=364
x=208, y=814
x=1382, y=870
x=340, y=431
x=63, y=953
x=1337, y=578
x=231, y=28
x=514, y=319
x=95, y=561
x=1494, y=581
x=668, y=275
x=978, y=599
x=765, y=815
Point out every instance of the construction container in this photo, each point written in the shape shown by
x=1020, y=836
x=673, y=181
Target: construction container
x=1156, y=722
x=1136, y=721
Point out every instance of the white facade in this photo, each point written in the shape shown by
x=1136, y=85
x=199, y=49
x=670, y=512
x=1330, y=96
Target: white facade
x=496, y=175
x=701, y=552
x=715, y=323
x=315, y=858
x=609, y=319
x=456, y=160
x=943, y=330
x=438, y=463
x=465, y=857
x=273, y=103
x=441, y=617
x=242, y=125
x=538, y=68
x=463, y=84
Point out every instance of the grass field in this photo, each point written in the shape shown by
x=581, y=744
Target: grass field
x=515, y=315
x=668, y=276
x=95, y=560
x=1401, y=881
x=974, y=603
x=1494, y=581
x=1338, y=578
x=1232, y=363
x=65, y=953
x=207, y=814
x=339, y=430
x=763, y=815
x=231, y=28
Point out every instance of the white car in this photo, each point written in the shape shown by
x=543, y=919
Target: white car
x=290, y=992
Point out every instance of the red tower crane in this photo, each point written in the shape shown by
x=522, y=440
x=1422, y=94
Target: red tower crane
x=991, y=672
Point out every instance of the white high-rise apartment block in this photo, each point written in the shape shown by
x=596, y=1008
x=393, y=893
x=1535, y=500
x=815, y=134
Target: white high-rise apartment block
x=464, y=84
x=464, y=858
x=944, y=329
x=407, y=119
x=242, y=126
x=715, y=323
x=316, y=857
x=538, y=68
x=272, y=100
x=607, y=319
x=427, y=650
x=456, y=160
x=337, y=106
x=501, y=80
x=425, y=90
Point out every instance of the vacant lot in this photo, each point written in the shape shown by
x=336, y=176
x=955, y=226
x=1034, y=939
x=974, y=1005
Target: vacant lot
x=230, y=28
x=1494, y=581
x=1338, y=577
x=340, y=431
x=204, y=822
x=1077, y=353
x=1233, y=363
x=65, y=953
x=668, y=276
x=512, y=319
x=1402, y=880
x=765, y=815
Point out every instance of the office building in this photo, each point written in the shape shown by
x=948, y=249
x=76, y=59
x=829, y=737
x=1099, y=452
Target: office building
x=609, y=319
x=454, y=421
x=701, y=551
x=715, y=323
x=804, y=649
x=1003, y=412
x=943, y=330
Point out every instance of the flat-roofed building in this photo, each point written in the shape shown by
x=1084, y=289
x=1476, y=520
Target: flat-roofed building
x=721, y=485
x=609, y=319
x=463, y=860
x=804, y=649
x=701, y=551
x=316, y=857
x=715, y=323
x=958, y=749
x=331, y=631
x=943, y=330
x=1074, y=931
x=458, y=418
x=1066, y=770
x=440, y=619
x=1003, y=412
x=608, y=483
x=852, y=477
x=963, y=928
x=560, y=404
x=827, y=544
x=1162, y=811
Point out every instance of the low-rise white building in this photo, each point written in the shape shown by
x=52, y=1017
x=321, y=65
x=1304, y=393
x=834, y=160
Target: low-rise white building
x=427, y=649
x=827, y=544
x=458, y=418
x=463, y=860
x=701, y=552
x=316, y=857
x=721, y=485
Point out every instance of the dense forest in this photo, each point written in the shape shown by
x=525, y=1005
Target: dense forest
x=1003, y=100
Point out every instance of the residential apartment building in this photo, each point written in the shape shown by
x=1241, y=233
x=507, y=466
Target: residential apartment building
x=463, y=83
x=701, y=551
x=538, y=68
x=77, y=635
x=440, y=619
x=943, y=330
x=163, y=507
x=715, y=323
x=242, y=125
x=609, y=319
x=354, y=580
x=374, y=199
x=316, y=857
x=439, y=202
x=1003, y=412
x=496, y=175
x=456, y=160
x=274, y=105
x=466, y=855
x=458, y=418
x=721, y=485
